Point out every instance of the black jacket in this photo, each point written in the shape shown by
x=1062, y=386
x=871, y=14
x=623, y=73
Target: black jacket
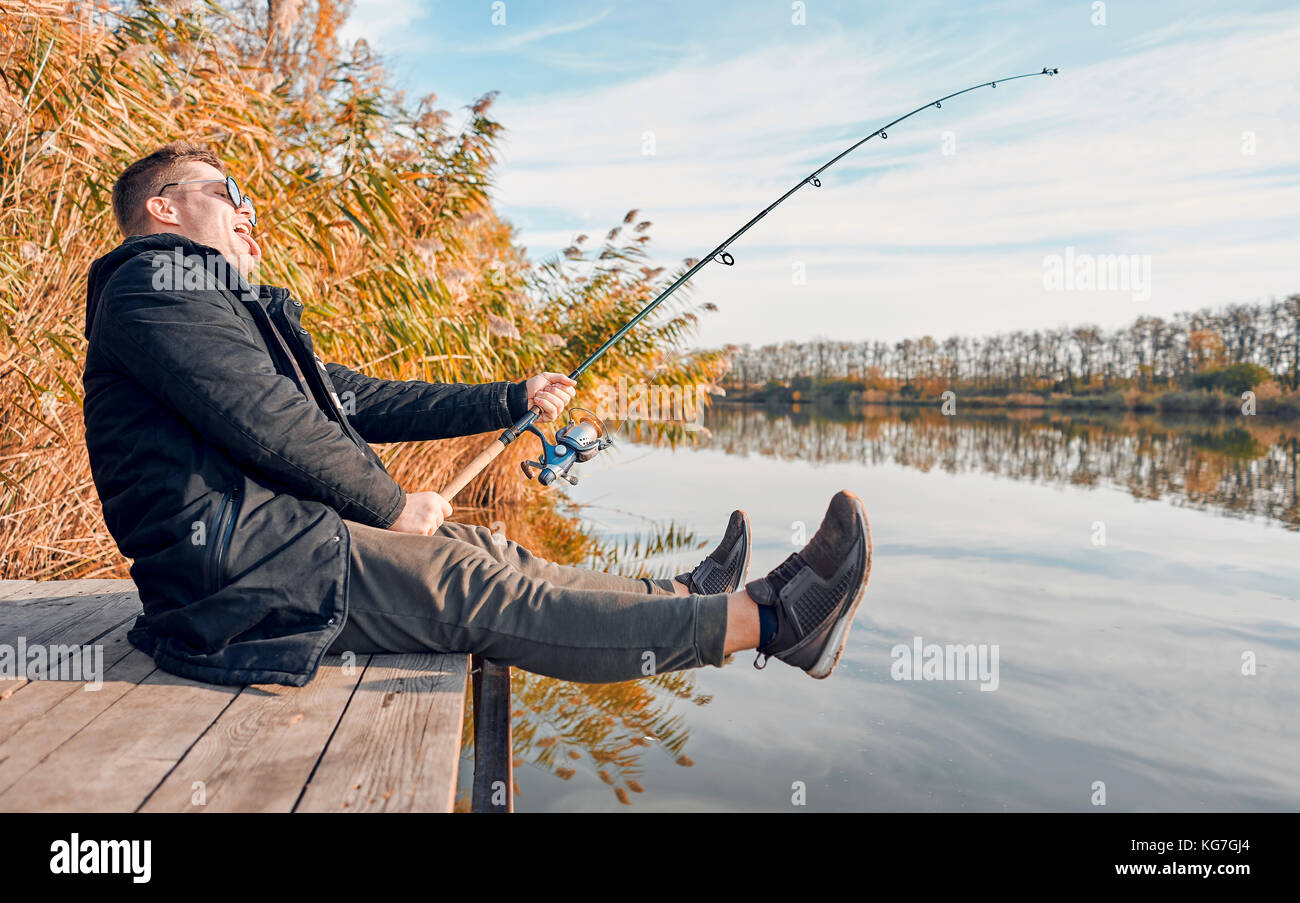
x=227, y=455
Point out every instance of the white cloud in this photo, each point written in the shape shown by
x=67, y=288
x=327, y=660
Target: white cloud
x=385, y=24
x=1140, y=154
x=515, y=38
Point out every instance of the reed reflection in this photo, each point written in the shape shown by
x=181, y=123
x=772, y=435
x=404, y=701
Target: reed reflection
x=596, y=732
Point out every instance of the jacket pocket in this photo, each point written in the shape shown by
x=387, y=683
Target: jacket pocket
x=223, y=528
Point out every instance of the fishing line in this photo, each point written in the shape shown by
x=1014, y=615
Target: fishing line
x=580, y=440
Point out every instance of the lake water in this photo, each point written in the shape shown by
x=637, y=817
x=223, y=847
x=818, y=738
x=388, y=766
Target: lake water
x=1127, y=570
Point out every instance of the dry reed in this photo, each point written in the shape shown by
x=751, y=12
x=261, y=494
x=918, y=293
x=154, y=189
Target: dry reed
x=373, y=213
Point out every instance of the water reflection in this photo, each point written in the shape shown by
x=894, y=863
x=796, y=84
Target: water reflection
x=1120, y=662
x=1242, y=466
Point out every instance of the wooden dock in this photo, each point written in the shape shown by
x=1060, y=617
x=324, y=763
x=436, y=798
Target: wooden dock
x=381, y=733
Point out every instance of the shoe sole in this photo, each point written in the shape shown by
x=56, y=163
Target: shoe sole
x=749, y=547
x=744, y=572
x=839, y=637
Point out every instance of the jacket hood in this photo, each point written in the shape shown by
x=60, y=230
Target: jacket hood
x=103, y=269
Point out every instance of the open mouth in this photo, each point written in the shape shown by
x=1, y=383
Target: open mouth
x=244, y=231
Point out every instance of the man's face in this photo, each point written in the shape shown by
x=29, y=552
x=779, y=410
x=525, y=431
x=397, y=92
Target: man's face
x=204, y=213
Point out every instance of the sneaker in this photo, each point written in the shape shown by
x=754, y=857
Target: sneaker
x=816, y=590
x=725, y=569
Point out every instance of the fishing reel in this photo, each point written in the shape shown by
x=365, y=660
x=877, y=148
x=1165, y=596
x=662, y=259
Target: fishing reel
x=579, y=440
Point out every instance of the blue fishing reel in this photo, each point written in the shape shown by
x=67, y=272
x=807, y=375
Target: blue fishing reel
x=579, y=440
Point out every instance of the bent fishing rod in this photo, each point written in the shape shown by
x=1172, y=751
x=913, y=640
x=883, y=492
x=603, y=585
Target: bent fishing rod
x=582, y=438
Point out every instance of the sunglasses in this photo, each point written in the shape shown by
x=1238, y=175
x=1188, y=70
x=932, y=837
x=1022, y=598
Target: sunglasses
x=237, y=197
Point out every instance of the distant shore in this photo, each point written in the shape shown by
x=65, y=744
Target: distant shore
x=1198, y=401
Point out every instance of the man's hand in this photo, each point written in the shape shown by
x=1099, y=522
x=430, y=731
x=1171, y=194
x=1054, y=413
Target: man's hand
x=550, y=392
x=423, y=514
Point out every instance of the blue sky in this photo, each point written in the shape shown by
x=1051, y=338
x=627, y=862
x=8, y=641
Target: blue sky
x=1171, y=134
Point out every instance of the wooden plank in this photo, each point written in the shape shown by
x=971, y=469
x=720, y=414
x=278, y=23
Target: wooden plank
x=63, y=589
x=397, y=746
x=48, y=713
x=390, y=731
x=260, y=752
x=70, y=620
x=494, y=779
x=115, y=761
x=41, y=696
x=9, y=587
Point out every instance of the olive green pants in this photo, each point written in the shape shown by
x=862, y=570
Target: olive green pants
x=465, y=590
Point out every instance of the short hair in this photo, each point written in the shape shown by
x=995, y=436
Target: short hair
x=143, y=178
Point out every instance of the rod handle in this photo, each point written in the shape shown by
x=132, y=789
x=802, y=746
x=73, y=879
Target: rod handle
x=473, y=469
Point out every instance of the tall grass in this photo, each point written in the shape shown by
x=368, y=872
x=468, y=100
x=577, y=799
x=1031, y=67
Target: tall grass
x=372, y=210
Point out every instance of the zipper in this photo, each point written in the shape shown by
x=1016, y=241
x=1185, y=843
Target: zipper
x=280, y=325
x=223, y=530
x=311, y=375
x=312, y=383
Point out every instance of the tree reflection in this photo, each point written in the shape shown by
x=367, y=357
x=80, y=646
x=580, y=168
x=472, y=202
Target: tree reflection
x=1240, y=467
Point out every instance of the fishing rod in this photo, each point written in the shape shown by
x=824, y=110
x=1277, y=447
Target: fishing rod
x=583, y=437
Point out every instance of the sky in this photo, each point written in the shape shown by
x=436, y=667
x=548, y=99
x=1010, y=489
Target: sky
x=1165, y=156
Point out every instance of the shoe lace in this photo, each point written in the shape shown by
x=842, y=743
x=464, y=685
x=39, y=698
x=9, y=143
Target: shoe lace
x=784, y=572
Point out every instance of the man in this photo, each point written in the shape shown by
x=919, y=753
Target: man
x=233, y=467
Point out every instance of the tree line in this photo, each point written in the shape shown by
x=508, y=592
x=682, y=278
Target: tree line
x=1189, y=349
